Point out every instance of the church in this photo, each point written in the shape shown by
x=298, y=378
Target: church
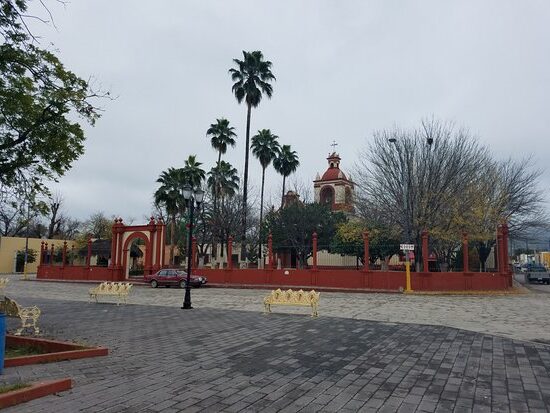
x=334, y=188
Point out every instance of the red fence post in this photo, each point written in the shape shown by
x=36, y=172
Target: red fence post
x=45, y=253
x=366, y=257
x=41, y=253
x=64, y=256
x=314, y=251
x=194, y=253
x=425, y=252
x=51, y=256
x=113, y=244
x=465, y=257
x=230, y=253
x=72, y=254
x=89, y=254
x=498, y=249
x=270, y=251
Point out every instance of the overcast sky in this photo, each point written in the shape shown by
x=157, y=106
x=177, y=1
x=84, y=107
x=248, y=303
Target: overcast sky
x=343, y=68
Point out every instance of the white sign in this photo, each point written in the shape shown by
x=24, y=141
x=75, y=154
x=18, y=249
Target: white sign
x=407, y=247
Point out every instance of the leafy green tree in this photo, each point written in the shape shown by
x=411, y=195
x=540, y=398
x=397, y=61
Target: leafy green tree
x=169, y=195
x=221, y=136
x=252, y=78
x=192, y=172
x=348, y=240
x=266, y=148
x=40, y=136
x=223, y=180
x=285, y=164
x=292, y=228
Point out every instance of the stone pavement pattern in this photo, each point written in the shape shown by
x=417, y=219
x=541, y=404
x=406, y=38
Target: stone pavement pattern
x=164, y=359
x=521, y=316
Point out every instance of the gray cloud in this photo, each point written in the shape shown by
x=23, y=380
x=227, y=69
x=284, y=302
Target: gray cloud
x=343, y=70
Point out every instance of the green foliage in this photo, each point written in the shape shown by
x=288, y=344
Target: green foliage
x=223, y=180
x=222, y=135
x=285, y=164
x=292, y=227
x=265, y=147
x=252, y=77
x=20, y=257
x=348, y=240
x=39, y=97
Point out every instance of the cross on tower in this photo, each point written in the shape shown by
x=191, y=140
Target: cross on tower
x=334, y=145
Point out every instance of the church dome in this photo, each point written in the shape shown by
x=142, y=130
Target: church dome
x=333, y=172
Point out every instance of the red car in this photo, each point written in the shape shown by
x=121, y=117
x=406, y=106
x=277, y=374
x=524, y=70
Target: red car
x=170, y=277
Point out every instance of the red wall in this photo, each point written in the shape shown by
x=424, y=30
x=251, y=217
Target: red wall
x=79, y=272
x=340, y=278
x=335, y=278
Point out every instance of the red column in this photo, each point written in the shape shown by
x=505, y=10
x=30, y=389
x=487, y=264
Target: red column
x=113, y=245
x=72, y=254
x=158, y=262
x=505, y=259
x=314, y=254
x=51, y=257
x=45, y=252
x=89, y=255
x=41, y=253
x=230, y=253
x=64, y=257
x=194, y=253
x=270, y=251
x=366, y=257
x=425, y=251
x=465, y=257
x=498, y=249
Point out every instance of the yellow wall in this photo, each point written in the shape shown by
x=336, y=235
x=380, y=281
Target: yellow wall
x=10, y=245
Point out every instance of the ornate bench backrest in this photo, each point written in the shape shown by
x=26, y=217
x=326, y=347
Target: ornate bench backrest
x=10, y=307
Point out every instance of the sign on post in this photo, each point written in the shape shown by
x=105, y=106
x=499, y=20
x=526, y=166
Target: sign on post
x=406, y=247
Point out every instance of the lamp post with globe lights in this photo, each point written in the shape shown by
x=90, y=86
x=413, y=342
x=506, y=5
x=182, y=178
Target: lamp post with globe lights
x=192, y=197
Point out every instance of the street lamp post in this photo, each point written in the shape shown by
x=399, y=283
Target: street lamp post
x=191, y=197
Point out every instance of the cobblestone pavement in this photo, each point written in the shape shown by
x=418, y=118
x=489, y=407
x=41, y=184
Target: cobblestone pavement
x=519, y=316
x=164, y=359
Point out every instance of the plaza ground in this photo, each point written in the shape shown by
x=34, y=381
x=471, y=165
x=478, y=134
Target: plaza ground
x=367, y=352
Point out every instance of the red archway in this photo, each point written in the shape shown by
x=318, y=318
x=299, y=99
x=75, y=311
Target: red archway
x=123, y=235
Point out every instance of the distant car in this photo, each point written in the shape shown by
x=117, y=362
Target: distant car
x=169, y=277
x=538, y=273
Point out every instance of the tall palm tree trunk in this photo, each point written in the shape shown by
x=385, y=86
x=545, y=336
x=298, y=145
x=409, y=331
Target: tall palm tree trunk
x=245, y=191
x=261, y=214
x=283, y=196
x=214, y=239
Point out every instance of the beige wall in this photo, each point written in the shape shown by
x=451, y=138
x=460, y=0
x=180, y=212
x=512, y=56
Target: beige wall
x=10, y=245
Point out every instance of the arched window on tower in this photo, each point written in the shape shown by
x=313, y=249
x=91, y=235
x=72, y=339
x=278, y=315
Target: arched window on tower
x=327, y=195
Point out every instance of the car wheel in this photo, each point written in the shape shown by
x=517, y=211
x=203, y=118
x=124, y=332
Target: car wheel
x=154, y=284
x=182, y=284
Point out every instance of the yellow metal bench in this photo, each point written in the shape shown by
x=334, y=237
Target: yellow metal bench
x=294, y=298
x=119, y=290
x=28, y=315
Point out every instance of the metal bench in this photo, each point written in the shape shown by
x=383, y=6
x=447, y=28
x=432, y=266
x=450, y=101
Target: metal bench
x=119, y=290
x=294, y=298
x=28, y=315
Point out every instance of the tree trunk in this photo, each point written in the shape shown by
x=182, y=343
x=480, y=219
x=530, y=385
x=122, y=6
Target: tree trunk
x=214, y=239
x=261, y=214
x=245, y=189
x=283, y=197
x=172, y=238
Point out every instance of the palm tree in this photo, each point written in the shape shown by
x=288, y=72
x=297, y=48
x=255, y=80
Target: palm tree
x=251, y=77
x=193, y=174
x=266, y=148
x=286, y=163
x=222, y=136
x=169, y=194
x=223, y=180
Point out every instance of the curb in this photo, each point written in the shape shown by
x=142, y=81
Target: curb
x=60, y=351
x=35, y=391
